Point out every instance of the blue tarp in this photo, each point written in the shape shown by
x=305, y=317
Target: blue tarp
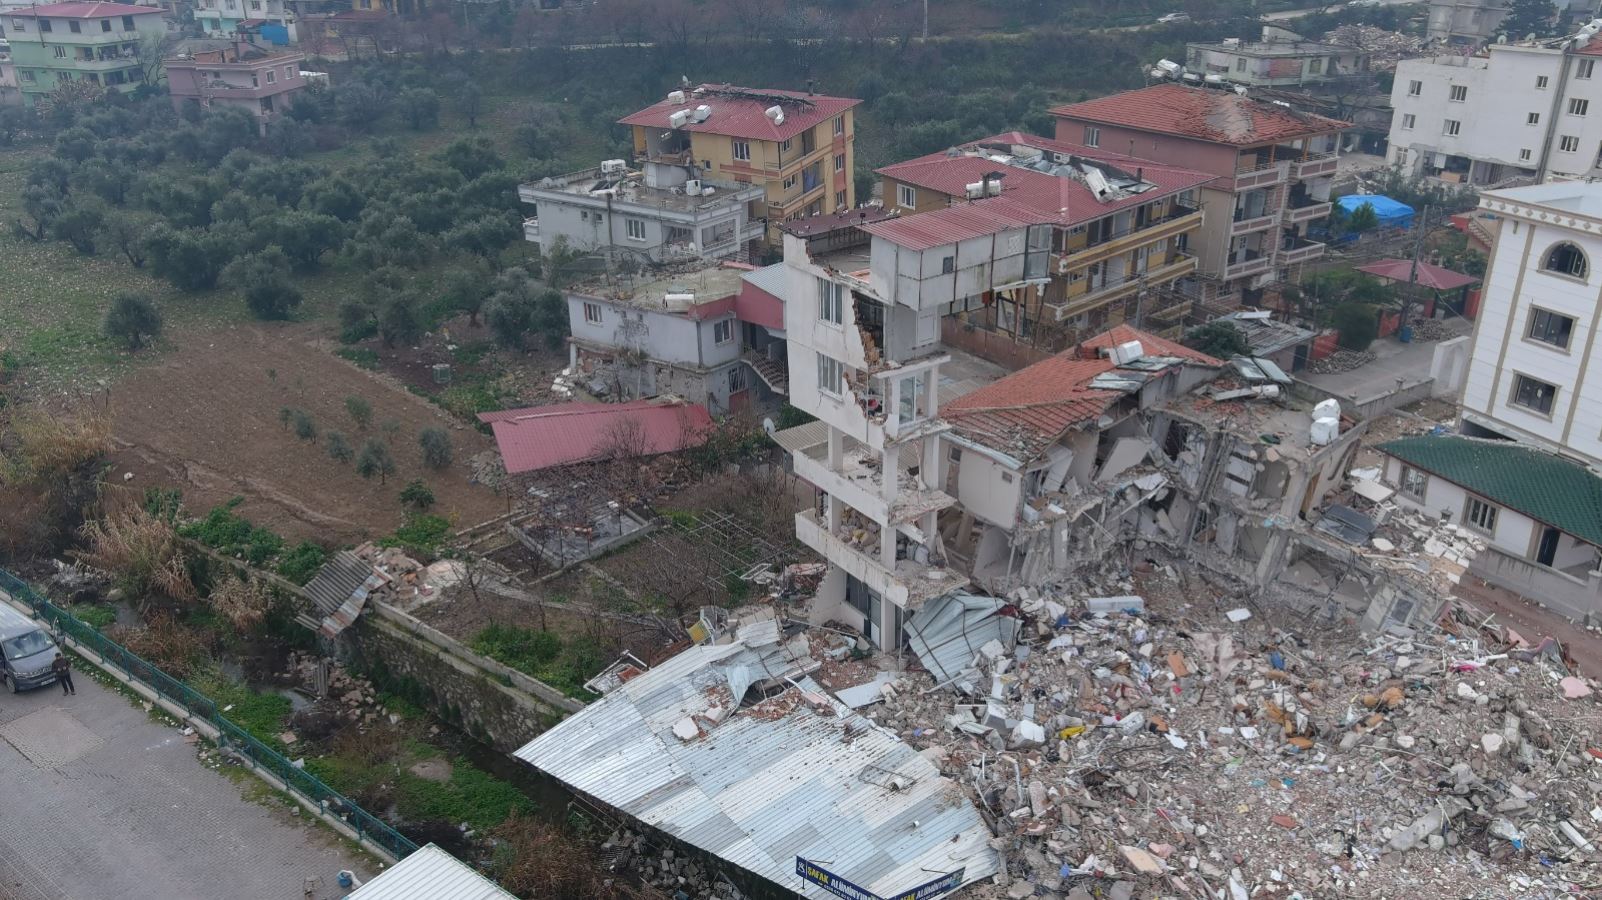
x=277, y=35
x=1392, y=213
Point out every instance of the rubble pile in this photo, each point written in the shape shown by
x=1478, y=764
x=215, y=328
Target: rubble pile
x=1150, y=745
x=1341, y=361
x=1385, y=48
x=1429, y=330
x=674, y=872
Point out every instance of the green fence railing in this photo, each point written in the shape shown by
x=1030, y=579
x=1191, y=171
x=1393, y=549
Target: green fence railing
x=230, y=736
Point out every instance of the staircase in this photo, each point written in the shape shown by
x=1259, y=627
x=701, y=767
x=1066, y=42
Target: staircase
x=775, y=375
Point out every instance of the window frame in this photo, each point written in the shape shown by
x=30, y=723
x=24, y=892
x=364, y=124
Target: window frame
x=1457, y=93
x=1584, y=273
x=1409, y=121
x=1532, y=118
x=1520, y=381
x=839, y=162
x=629, y=229
x=831, y=302
x=1405, y=482
x=904, y=192
x=831, y=372
x=1525, y=155
x=740, y=150
x=1579, y=107
x=1569, y=143
x=1415, y=88
x=1530, y=328
x=727, y=327
x=1584, y=69
x=1541, y=82
x=45, y=27
x=1452, y=127
x=1486, y=520
x=1092, y=136
x=839, y=125
x=599, y=313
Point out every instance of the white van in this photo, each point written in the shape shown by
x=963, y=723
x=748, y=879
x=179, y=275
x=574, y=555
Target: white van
x=26, y=651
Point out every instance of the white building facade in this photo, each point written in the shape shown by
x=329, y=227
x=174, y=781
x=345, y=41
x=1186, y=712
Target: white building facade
x=1519, y=113
x=1529, y=375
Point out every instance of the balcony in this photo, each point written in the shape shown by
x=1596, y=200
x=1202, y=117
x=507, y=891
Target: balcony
x=1183, y=264
x=1181, y=220
x=1248, y=263
x=1247, y=225
x=1308, y=211
x=908, y=585
x=1252, y=175
x=531, y=228
x=96, y=38
x=1314, y=165
x=1300, y=250
x=110, y=64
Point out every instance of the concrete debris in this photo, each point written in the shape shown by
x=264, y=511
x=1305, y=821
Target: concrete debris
x=1169, y=747
x=1341, y=361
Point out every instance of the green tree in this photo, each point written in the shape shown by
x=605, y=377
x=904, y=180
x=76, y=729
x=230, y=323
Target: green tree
x=335, y=196
x=303, y=236
x=1527, y=17
x=417, y=495
x=1220, y=340
x=399, y=320
x=361, y=412
x=190, y=258
x=263, y=277
x=471, y=156
x=465, y=288
x=436, y=446
x=485, y=235
x=1357, y=323
x=305, y=428
x=375, y=460
x=132, y=319
x=127, y=230
x=338, y=446
x=420, y=106
x=78, y=223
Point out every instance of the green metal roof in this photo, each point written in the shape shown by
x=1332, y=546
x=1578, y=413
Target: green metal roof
x=1547, y=488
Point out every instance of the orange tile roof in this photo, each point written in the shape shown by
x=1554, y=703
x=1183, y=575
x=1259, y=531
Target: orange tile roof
x=744, y=117
x=1206, y=114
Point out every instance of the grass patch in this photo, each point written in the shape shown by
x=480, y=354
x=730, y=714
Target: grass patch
x=421, y=536
x=262, y=715
x=365, y=357
x=301, y=563
x=96, y=615
x=562, y=664
x=470, y=795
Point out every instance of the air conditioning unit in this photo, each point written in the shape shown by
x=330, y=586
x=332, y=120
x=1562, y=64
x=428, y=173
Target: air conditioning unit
x=692, y=187
x=775, y=114
x=675, y=96
x=613, y=166
x=679, y=119
x=702, y=113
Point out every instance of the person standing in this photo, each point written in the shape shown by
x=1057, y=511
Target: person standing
x=63, y=669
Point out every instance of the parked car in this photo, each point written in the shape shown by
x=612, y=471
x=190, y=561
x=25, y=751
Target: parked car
x=1364, y=4
x=26, y=651
x=1171, y=18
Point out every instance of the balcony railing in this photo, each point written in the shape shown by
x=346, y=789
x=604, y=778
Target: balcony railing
x=1181, y=265
x=1248, y=224
x=1300, y=251
x=1309, y=211
x=1178, y=221
x=1250, y=262
x=1314, y=165
x=1252, y=175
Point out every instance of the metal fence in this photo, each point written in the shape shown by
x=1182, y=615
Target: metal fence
x=199, y=706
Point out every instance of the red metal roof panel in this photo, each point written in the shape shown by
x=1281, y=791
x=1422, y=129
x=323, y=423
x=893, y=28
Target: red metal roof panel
x=565, y=433
x=83, y=10
x=1151, y=345
x=976, y=218
x=1206, y=114
x=744, y=117
x=1435, y=277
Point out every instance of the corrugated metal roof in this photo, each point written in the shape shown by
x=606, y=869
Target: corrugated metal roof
x=743, y=117
x=83, y=10
x=975, y=218
x=1206, y=114
x=948, y=631
x=766, y=785
x=430, y=874
x=565, y=433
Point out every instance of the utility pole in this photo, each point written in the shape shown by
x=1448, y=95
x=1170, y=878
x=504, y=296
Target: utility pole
x=1419, y=229
x=926, y=20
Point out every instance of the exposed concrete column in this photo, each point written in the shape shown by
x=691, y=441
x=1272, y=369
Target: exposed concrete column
x=892, y=409
x=887, y=547
x=889, y=473
x=1275, y=556
x=931, y=392
x=929, y=465
x=833, y=509
x=836, y=449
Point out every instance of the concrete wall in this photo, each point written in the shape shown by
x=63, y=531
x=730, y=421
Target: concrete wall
x=502, y=705
x=1515, y=286
x=1449, y=366
x=1200, y=156
x=660, y=336
x=988, y=490
x=1569, y=596
x=1514, y=535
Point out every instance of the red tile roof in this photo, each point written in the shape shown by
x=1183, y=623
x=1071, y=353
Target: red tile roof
x=541, y=437
x=1206, y=114
x=83, y=10
x=1063, y=200
x=1437, y=278
x=956, y=223
x=1029, y=410
x=743, y=117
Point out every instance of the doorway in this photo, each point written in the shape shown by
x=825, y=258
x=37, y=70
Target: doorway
x=1546, y=550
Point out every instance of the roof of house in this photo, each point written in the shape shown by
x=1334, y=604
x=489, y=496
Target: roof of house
x=83, y=10
x=1063, y=199
x=1431, y=276
x=795, y=774
x=991, y=215
x=742, y=112
x=1030, y=409
x=812, y=226
x=562, y=434
x=430, y=873
x=1543, y=486
x=1206, y=114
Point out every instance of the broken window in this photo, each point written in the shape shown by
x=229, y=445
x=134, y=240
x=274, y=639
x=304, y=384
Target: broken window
x=1414, y=482
x=723, y=332
x=737, y=381
x=870, y=321
x=1480, y=516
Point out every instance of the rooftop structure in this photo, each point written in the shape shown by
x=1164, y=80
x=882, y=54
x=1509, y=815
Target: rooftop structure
x=1282, y=59
x=264, y=82
x=1204, y=114
x=561, y=434
x=688, y=291
x=734, y=749
x=741, y=112
x=430, y=873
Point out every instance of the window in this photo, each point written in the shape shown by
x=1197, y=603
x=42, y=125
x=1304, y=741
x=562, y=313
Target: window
x=839, y=200
x=60, y=52
x=127, y=23
x=1415, y=88
x=19, y=25
x=1480, y=516
x=593, y=314
x=831, y=301
x=1524, y=155
x=906, y=196
x=839, y=125
x=1092, y=136
x=948, y=265
x=723, y=331
x=789, y=182
x=1240, y=64
x=636, y=229
x=1584, y=67
x=742, y=150
x=289, y=72
x=1453, y=127
x=830, y=374
x=272, y=76
x=1533, y=395
x=1550, y=328
x=1568, y=143
x=26, y=75
x=1566, y=259
x=1315, y=67
x=44, y=26
x=1458, y=93
x=1414, y=482
x=1578, y=106
x=784, y=146
x=839, y=162
x=105, y=24
x=1409, y=120
x=737, y=379
x=1532, y=119
x=74, y=27
x=1540, y=82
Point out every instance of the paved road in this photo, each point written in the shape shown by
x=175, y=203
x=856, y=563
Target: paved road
x=97, y=800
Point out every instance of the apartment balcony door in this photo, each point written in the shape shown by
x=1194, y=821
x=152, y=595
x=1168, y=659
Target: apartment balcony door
x=867, y=601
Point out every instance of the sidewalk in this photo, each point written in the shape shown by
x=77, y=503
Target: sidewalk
x=101, y=801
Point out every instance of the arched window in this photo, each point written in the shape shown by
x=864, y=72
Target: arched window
x=1566, y=259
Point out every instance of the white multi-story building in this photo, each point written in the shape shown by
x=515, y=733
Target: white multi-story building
x=1521, y=111
x=1528, y=375
x=863, y=318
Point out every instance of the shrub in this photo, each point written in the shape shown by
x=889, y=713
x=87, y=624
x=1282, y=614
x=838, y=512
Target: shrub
x=300, y=563
x=338, y=447
x=132, y=319
x=375, y=460
x=1357, y=325
x=421, y=536
x=436, y=446
x=1220, y=340
x=305, y=428
x=417, y=495
x=361, y=412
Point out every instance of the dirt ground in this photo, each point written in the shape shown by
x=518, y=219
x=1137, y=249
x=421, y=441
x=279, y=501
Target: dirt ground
x=206, y=420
